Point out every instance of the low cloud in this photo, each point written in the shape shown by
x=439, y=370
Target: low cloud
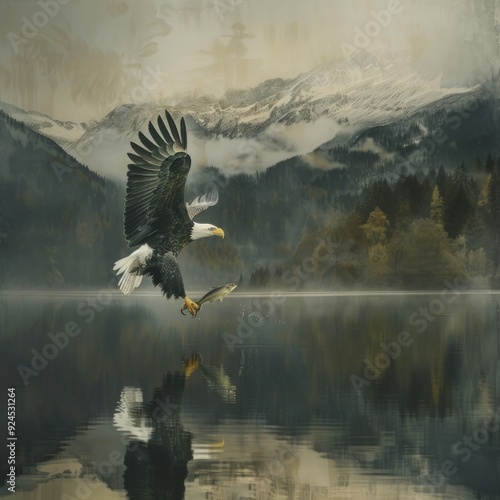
x=277, y=143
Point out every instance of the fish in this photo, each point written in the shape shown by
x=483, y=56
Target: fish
x=218, y=381
x=217, y=293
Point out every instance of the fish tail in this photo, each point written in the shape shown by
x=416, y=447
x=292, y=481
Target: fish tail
x=197, y=310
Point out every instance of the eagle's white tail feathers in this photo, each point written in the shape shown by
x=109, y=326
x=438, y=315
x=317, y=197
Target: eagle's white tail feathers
x=126, y=266
x=128, y=282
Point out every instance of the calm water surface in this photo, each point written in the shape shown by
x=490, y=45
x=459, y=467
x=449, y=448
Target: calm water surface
x=313, y=398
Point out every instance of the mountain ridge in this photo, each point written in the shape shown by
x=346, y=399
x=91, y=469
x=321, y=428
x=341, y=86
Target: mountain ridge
x=250, y=130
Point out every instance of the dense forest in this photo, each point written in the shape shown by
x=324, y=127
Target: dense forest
x=416, y=232
x=61, y=223
x=413, y=231
x=385, y=225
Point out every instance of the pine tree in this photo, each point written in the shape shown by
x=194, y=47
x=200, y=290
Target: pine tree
x=478, y=167
x=403, y=215
x=494, y=196
x=437, y=207
x=442, y=181
x=490, y=164
x=376, y=227
x=494, y=212
x=461, y=177
x=459, y=212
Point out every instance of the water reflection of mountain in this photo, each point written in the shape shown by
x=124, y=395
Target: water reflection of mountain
x=292, y=388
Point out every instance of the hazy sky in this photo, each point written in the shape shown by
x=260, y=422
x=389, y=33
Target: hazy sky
x=78, y=59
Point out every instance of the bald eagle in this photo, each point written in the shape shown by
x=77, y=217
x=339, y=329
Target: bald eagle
x=156, y=216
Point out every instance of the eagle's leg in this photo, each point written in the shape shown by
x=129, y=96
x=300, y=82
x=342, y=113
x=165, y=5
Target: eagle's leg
x=190, y=305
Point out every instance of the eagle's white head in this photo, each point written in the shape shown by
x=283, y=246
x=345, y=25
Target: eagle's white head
x=204, y=230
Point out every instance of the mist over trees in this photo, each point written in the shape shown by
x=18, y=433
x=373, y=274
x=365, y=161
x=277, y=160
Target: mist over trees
x=62, y=222
x=413, y=232
x=385, y=226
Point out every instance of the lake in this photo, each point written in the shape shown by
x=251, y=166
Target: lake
x=288, y=396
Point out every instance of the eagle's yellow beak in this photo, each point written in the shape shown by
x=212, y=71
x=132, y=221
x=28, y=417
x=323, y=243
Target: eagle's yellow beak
x=219, y=232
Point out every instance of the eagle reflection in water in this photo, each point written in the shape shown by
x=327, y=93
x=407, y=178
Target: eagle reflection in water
x=156, y=459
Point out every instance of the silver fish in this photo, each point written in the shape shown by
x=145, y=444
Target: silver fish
x=218, y=381
x=214, y=294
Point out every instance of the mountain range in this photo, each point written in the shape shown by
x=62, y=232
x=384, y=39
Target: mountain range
x=63, y=133
x=326, y=139
x=247, y=131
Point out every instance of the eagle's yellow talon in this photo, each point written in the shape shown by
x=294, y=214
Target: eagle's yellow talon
x=191, y=306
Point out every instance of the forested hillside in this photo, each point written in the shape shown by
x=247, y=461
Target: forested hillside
x=416, y=232
x=413, y=231
x=61, y=223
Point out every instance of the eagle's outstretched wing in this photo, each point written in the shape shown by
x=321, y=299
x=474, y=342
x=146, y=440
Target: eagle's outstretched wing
x=201, y=203
x=156, y=180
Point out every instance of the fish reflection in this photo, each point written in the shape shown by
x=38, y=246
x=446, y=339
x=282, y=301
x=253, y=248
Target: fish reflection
x=157, y=456
x=217, y=380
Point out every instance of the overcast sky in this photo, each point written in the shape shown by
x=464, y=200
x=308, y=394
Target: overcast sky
x=84, y=57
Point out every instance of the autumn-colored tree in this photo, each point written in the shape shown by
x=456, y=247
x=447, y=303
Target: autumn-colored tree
x=375, y=230
x=437, y=207
x=378, y=263
x=425, y=255
x=376, y=227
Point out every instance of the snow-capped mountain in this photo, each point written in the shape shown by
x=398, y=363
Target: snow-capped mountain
x=249, y=130
x=63, y=133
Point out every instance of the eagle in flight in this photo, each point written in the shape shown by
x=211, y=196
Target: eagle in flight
x=156, y=216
